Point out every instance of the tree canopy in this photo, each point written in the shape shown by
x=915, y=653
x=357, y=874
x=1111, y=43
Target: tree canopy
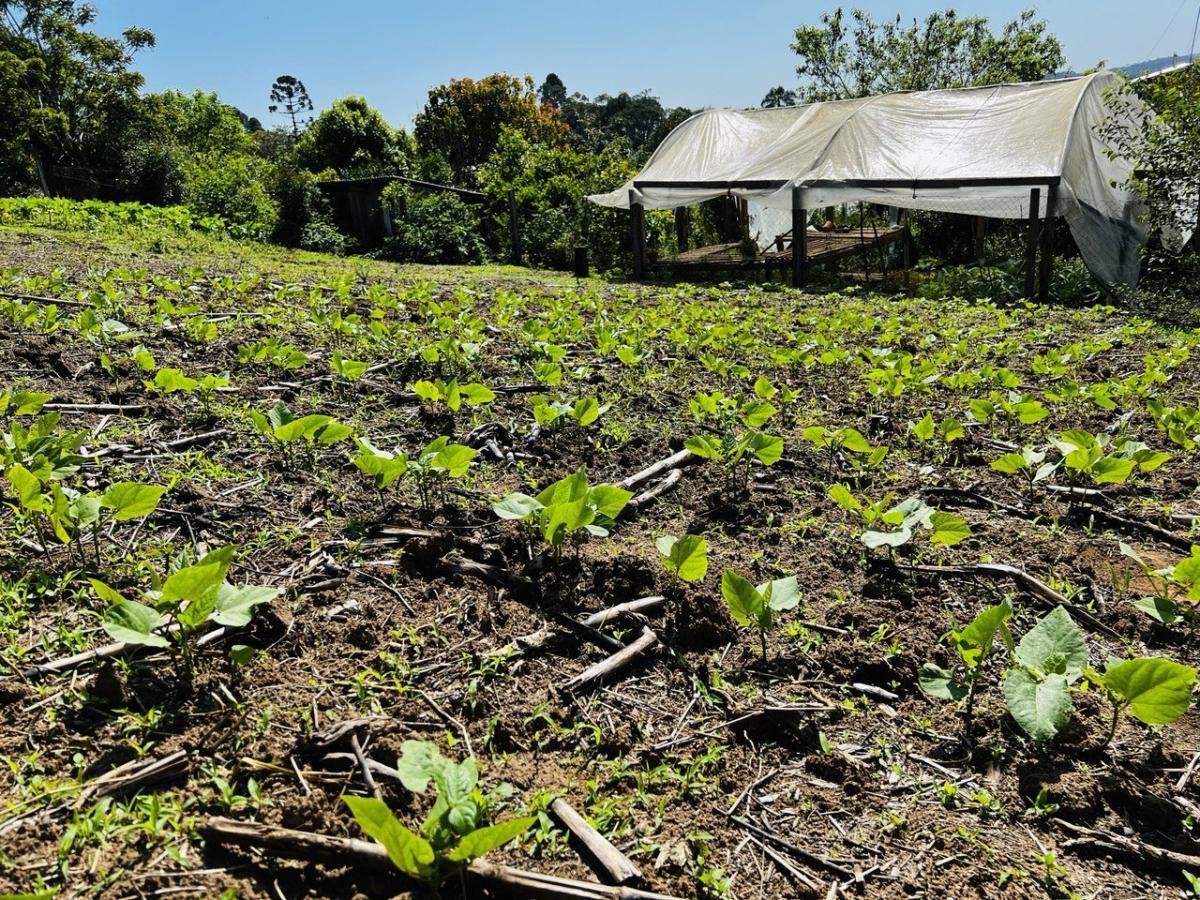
x=858, y=56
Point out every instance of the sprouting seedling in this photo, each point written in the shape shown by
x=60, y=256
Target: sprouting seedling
x=384, y=466
x=685, y=557
x=1176, y=587
x=973, y=645
x=1153, y=690
x=949, y=430
x=348, y=369
x=451, y=394
x=456, y=829
x=847, y=442
x=1089, y=454
x=312, y=430
x=1029, y=463
x=1050, y=658
x=439, y=463
x=945, y=529
x=757, y=607
x=735, y=450
x=569, y=508
x=177, y=607
x=554, y=414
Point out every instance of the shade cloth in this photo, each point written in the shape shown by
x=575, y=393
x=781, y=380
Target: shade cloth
x=1010, y=131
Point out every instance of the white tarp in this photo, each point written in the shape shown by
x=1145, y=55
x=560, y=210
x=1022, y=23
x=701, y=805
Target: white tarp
x=1020, y=131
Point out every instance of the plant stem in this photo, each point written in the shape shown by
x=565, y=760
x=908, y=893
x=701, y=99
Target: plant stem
x=1116, y=717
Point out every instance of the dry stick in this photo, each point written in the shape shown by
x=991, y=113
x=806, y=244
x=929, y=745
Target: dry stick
x=1033, y=585
x=1110, y=841
x=117, y=648
x=1167, y=537
x=57, y=301
x=616, y=865
x=376, y=767
x=671, y=462
x=96, y=407
x=366, y=769
x=447, y=718
x=614, y=663
x=179, y=444
x=786, y=867
x=353, y=854
x=543, y=636
x=799, y=852
x=657, y=491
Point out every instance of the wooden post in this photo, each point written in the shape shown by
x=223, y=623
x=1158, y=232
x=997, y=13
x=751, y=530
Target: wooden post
x=1047, y=245
x=799, y=240
x=980, y=235
x=743, y=207
x=514, y=227
x=637, y=235
x=1031, y=240
x=682, y=215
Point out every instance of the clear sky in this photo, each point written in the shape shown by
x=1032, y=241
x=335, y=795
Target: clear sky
x=694, y=54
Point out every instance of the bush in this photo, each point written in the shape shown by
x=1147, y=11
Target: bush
x=304, y=214
x=232, y=186
x=434, y=227
x=321, y=237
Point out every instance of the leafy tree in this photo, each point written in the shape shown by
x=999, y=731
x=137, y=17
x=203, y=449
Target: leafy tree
x=860, y=56
x=290, y=98
x=353, y=137
x=777, y=97
x=434, y=227
x=81, y=96
x=463, y=120
x=553, y=92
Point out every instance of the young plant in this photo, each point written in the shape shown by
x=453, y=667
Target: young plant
x=1152, y=690
x=945, y=529
x=553, y=415
x=175, y=608
x=440, y=463
x=1029, y=463
x=758, y=607
x=312, y=430
x=348, y=369
x=686, y=557
x=455, y=831
x=1176, y=588
x=451, y=394
x=1050, y=658
x=383, y=466
x=848, y=443
x=569, y=508
x=973, y=645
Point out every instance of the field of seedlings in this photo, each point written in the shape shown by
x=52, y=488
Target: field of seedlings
x=332, y=578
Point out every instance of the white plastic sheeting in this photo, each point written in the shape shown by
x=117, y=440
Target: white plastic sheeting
x=1011, y=131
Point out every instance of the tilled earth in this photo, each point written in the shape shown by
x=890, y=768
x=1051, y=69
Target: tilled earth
x=823, y=770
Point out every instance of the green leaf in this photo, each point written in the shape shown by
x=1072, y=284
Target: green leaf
x=1159, y=609
x=608, y=500
x=134, y=623
x=516, y=506
x=687, y=557
x=853, y=441
x=951, y=430
x=483, y=840
x=130, y=500
x=767, y=448
x=419, y=762
x=924, y=429
x=235, y=603
x=409, y=852
x=705, y=447
x=781, y=594
x=105, y=592
x=875, y=539
x=476, y=394
x=948, y=529
x=586, y=411
x=192, y=582
x=1055, y=645
x=1009, y=463
x=840, y=494
x=755, y=413
x=1158, y=691
x=454, y=459
x=1041, y=708
x=975, y=641
x=28, y=488
x=743, y=599
x=937, y=682
x=1112, y=470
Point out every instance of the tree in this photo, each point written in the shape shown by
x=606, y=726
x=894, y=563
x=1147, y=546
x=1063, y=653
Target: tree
x=290, y=98
x=777, y=97
x=862, y=57
x=352, y=137
x=553, y=92
x=81, y=98
x=463, y=120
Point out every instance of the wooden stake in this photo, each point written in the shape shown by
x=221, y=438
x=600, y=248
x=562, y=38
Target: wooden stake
x=1031, y=240
x=1048, y=244
x=614, y=663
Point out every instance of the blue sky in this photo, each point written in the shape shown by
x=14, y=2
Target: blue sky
x=702, y=53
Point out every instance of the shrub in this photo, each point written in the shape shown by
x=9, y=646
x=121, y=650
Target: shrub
x=232, y=186
x=436, y=227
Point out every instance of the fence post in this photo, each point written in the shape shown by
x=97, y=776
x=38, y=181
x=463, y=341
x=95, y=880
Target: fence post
x=682, y=215
x=799, y=240
x=1031, y=241
x=637, y=236
x=1048, y=244
x=514, y=226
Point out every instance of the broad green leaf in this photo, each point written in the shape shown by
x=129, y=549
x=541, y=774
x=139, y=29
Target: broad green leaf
x=192, y=582
x=334, y=432
x=840, y=494
x=705, y=447
x=28, y=488
x=781, y=594
x=130, y=500
x=482, y=840
x=687, y=557
x=1041, y=708
x=875, y=539
x=853, y=441
x=134, y=623
x=454, y=459
x=975, y=641
x=235, y=603
x=1159, y=609
x=105, y=592
x=948, y=529
x=572, y=488
x=755, y=413
x=767, y=448
x=937, y=682
x=1112, y=470
x=745, y=602
x=951, y=430
x=586, y=411
x=1158, y=691
x=409, y=852
x=516, y=506
x=1055, y=645
x=924, y=429
x=476, y=394
x=1009, y=463
x=609, y=500
x=763, y=388
x=419, y=762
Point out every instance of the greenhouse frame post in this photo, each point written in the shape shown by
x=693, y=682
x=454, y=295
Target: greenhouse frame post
x=1031, y=240
x=514, y=226
x=799, y=240
x=637, y=235
x=1047, y=266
